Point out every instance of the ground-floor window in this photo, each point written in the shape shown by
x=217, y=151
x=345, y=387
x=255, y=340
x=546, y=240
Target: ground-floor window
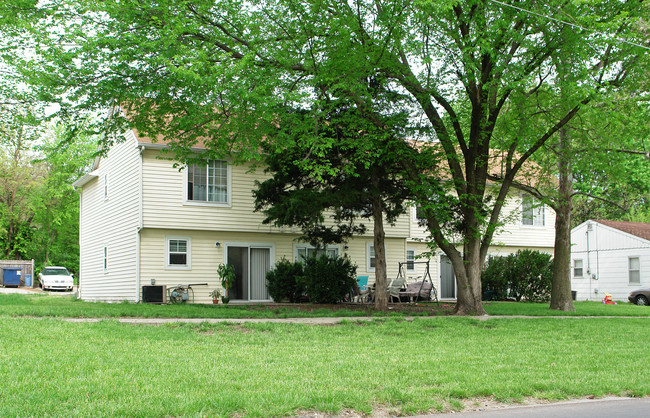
x=634, y=270
x=304, y=251
x=178, y=252
x=577, y=269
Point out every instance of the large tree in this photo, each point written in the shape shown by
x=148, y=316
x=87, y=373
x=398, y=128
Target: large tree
x=222, y=70
x=360, y=180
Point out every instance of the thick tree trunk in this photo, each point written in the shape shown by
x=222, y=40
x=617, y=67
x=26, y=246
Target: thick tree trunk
x=467, y=268
x=381, y=280
x=561, y=283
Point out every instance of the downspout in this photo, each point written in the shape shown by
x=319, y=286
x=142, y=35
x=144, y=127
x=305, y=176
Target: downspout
x=588, y=261
x=80, y=191
x=139, y=230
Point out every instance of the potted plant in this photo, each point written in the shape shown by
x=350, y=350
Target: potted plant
x=215, y=295
x=227, y=275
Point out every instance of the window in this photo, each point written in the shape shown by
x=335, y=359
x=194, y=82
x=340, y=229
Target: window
x=178, y=253
x=371, y=261
x=532, y=211
x=410, y=261
x=634, y=270
x=105, y=186
x=208, y=182
x=306, y=251
x=577, y=269
x=105, y=258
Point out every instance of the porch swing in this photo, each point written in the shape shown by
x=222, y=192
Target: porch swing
x=417, y=290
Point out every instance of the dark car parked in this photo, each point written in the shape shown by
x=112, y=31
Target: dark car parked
x=640, y=297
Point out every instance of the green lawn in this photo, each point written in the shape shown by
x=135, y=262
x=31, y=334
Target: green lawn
x=68, y=306
x=582, y=309
x=52, y=367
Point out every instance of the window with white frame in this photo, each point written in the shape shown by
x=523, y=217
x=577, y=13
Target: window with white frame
x=532, y=211
x=410, y=260
x=634, y=270
x=577, y=269
x=304, y=251
x=208, y=182
x=371, y=262
x=178, y=253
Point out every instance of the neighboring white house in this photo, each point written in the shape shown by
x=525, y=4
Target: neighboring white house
x=609, y=257
x=144, y=221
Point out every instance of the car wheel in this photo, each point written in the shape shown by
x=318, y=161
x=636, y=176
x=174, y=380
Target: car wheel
x=641, y=300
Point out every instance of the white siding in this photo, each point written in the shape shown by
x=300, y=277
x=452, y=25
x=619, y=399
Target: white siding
x=605, y=252
x=111, y=222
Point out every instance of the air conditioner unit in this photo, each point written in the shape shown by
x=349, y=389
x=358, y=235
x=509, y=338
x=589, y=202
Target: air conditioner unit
x=154, y=294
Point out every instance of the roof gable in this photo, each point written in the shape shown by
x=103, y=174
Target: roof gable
x=638, y=229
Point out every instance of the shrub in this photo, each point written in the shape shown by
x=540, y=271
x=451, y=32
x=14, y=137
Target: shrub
x=524, y=275
x=285, y=281
x=328, y=279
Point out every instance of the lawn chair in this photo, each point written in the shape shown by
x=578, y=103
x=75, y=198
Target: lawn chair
x=395, y=287
x=362, y=291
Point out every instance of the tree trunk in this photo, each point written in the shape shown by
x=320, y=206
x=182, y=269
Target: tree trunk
x=381, y=280
x=467, y=268
x=561, y=283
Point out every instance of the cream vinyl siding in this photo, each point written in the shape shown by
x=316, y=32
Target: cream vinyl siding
x=512, y=233
x=206, y=256
x=111, y=222
x=165, y=205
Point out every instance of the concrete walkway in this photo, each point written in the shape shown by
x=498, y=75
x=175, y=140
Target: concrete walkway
x=311, y=321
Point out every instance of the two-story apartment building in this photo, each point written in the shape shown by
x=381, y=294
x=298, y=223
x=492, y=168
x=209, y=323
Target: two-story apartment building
x=144, y=221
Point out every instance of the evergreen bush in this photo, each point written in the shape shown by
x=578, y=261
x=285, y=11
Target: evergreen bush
x=524, y=275
x=328, y=279
x=285, y=281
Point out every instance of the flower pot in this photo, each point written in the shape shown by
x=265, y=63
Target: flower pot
x=225, y=300
x=215, y=301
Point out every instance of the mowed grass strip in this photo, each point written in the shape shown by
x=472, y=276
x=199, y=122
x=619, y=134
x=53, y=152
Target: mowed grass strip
x=585, y=308
x=52, y=367
x=70, y=307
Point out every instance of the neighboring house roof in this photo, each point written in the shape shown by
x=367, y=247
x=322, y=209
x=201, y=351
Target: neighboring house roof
x=638, y=229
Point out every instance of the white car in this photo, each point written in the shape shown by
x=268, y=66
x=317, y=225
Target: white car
x=56, y=278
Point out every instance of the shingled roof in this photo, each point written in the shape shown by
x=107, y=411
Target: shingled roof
x=638, y=229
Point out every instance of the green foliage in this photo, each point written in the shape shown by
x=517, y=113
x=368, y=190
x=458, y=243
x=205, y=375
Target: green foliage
x=524, y=275
x=285, y=281
x=353, y=171
x=227, y=274
x=328, y=279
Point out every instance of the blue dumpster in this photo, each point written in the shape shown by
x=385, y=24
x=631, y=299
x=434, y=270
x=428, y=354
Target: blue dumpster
x=11, y=276
x=28, y=280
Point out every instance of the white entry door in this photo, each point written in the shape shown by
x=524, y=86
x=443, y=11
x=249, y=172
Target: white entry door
x=447, y=279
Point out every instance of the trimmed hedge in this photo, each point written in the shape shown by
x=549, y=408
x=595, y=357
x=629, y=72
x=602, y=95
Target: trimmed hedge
x=321, y=279
x=524, y=275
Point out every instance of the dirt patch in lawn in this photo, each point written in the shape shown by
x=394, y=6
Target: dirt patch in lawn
x=407, y=309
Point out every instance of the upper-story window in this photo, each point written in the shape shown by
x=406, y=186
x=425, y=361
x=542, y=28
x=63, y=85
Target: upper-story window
x=532, y=211
x=208, y=182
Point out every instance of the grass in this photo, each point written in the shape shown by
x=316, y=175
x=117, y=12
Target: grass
x=52, y=367
x=68, y=306
x=582, y=309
